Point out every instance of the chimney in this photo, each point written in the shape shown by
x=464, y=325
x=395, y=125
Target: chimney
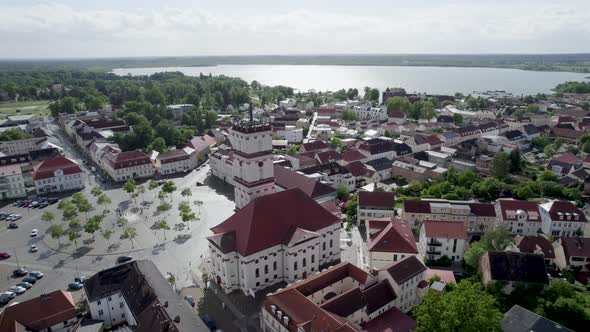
x=177, y=319
x=166, y=304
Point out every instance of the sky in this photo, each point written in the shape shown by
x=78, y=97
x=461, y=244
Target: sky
x=127, y=28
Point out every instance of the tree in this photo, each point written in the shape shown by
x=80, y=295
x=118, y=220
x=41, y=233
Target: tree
x=158, y=144
x=164, y=206
x=342, y=193
x=73, y=237
x=199, y=203
x=467, y=307
x=473, y=254
x=14, y=135
x=57, y=231
x=349, y=115
x=130, y=233
x=93, y=225
x=372, y=94
x=107, y=234
x=129, y=187
x=515, y=161
x=141, y=190
x=69, y=212
x=500, y=165
x=497, y=238
x=152, y=185
x=74, y=224
x=458, y=119
x=104, y=200
x=122, y=221
x=168, y=187
x=48, y=216
x=186, y=192
x=187, y=218
x=171, y=279
x=163, y=226
x=96, y=191
x=398, y=103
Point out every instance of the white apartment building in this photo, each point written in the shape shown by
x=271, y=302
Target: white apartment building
x=122, y=166
x=278, y=237
x=442, y=238
x=366, y=111
x=374, y=205
x=57, y=174
x=222, y=165
x=175, y=161
x=519, y=217
x=562, y=218
x=292, y=134
x=22, y=146
x=12, y=182
x=476, y=217
x=346, y=298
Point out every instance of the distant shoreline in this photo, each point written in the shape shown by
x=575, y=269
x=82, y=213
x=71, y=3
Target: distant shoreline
x=577, y=63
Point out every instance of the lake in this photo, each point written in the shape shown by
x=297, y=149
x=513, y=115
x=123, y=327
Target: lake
x=433, y=80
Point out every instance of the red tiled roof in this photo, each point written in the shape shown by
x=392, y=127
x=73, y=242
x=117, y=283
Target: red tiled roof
x=173, y=156
x=331, y=207
x=39, y=313
x=329, y=156
x=566, y=133
x=576, y=246
x=330, y=276
x=532, y=244
x=407, y=268
x=379, y=199
x=378, y=295
x=357, y=169
x=513, y=205
x=125, y=159
x=353, y=155
x=269, y=220
x=315, y=145
x=446, y=276
x=395, y=237
x=202, y=143
x=392, y=320
x=433, y=140
x=289, y=179
x=47, y=167
x=568, y=158
x=444, y=229
x=416, y=206
x=396, y=114
x=561, y=210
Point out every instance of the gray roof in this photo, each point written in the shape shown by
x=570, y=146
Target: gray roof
x=149, y=296
x=519, y=319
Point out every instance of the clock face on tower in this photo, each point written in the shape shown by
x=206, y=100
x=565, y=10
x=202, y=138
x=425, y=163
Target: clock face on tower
x=260, y=164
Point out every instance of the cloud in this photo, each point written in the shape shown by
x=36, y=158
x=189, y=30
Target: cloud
x=57, y=29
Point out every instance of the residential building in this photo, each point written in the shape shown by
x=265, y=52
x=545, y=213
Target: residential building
x=519, y=319
x=440, y=239
x=382, y=167
x=202, y=145
x=513, y=269
x=175, y=161
x=180, y=109
x=415, y=171
x=317, y=146
x=375, y=205
x=407, y=277
x=340, y=298
x=572, y=253
x=389, y=240
x=57, y=174
x=366, y=111
x=12, y=182
x=298, y=237
x=122, y=166
x=293, y=134
x=377, y=148
x=50, y=312
x=562, y=218
x=332, y=173
x=23, y=146
x=287, y=179
x=519, y=217
x=253, y=166
x=137, y=295
x=476, y=217
x=536, y=244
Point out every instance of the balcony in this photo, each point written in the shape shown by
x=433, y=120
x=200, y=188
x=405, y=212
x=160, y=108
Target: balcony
x=433, y=251
x=434, y=243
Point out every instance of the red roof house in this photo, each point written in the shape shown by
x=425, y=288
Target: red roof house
x=396, y=237
x=48, y=167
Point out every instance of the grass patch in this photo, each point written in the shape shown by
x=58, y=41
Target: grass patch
x=25, y=107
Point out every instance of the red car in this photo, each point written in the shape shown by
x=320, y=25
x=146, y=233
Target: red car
x=4, y=255
x=26, y=203
x=582, y=278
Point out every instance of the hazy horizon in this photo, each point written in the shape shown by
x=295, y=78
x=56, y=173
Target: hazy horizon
x=69, y=29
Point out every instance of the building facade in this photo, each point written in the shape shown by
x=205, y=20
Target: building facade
x=57, y=175
x=442, y=238
x=375, y=205
x=477, y=217
x=12, y=182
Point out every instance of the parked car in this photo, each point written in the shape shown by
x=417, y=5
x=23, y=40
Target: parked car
x=16, y=216
x=34, y=204
x=52, y=200
x=30, y=280
x=25, y=285
x=27, y=203
x=36, y=274
x=43, y=205
x=4, y=300
x=4, y=255
x=33, y=248
x=12, y=225
x=20, y=272
x=17, y=203
x=17, y=290
x=211, y=324
x=3, y=215
x=190, y=300
x=75, y=285
x=9, y=295
x=123, y=259
x=34, y=232
x=80, y=279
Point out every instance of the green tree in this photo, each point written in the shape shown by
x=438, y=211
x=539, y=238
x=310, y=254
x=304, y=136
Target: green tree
x=130, y=233
x=163, y=226
x=199, y=203
x=57, y=231
x=500, y=165
x=497, y=238
x=141, y=190
x=107, y=234
x=342, y=192
x=73, y=237
x=14, y=135
x=129, y=187
x=104, y=200
x=515, y=161
x=74, y=224
x=84, y=206
x=168, y=187
x=122, y=221
x=349, y=115
x=398, y=103
x=158, y=144
x=96, y=191
x=458, y=119
x=467, y=307
x=205, y=280
x=93, y=225
x=48, y=216
x=186, y=192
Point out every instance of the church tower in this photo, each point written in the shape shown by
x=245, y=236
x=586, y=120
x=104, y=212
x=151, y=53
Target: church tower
x=251, y=141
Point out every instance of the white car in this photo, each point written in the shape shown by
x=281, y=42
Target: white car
x=34, y=232
x=10, y=295
x=17, y=290
x=16, y=216
x=34, y=248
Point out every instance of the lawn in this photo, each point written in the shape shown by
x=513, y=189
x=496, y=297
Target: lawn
x=25, y=107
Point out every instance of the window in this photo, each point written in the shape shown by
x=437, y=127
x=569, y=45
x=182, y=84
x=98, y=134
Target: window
x=324, y=246
x=257, y=283
x=331, y=243
x=295, y=266
x=312, y=259
x=100, y=312
x=123, y=315
x=66, y=323
x=304, y=263
x=257, y=273
x=121, y=305
x=274, y=266
x=265, y=269
x=109, y=298
x=98, y=302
